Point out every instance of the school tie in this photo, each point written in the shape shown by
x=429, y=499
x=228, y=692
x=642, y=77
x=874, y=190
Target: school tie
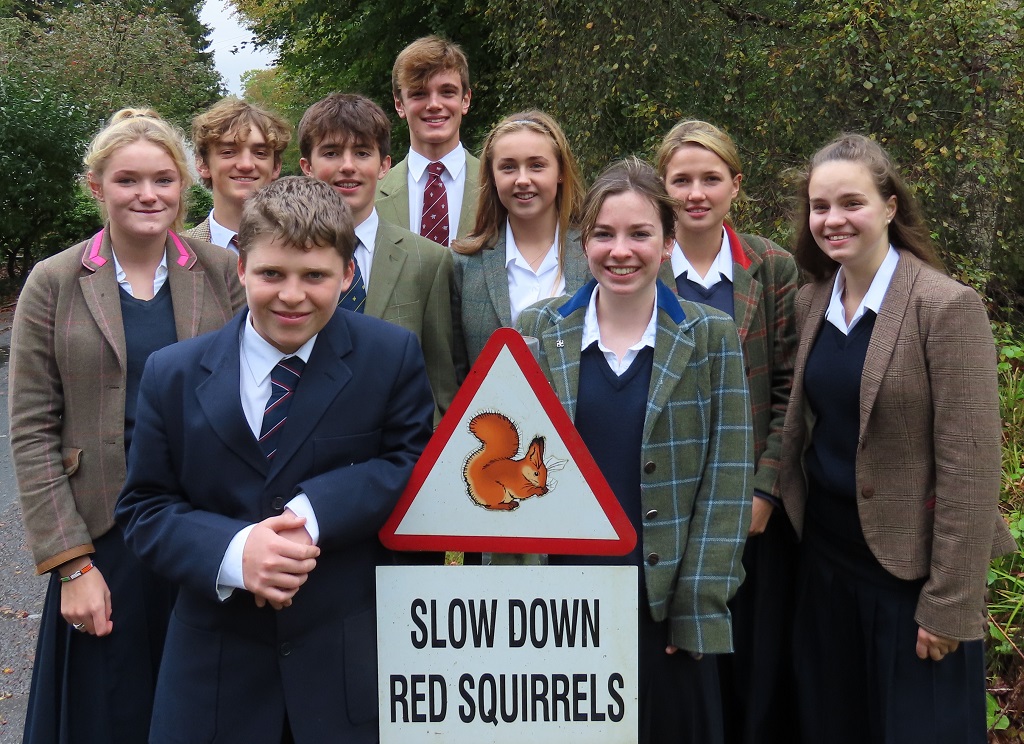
x=434, y=224
x=283, y=379
x=354, y=298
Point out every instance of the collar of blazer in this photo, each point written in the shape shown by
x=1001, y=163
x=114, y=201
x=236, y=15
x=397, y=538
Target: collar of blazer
x=563, y=338
x=324, y=376
x=389, y=256
x=883, y=337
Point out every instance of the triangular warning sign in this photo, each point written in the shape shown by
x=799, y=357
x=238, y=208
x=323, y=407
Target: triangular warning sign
x=480, y=486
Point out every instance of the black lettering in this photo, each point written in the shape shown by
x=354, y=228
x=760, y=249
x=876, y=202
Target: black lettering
x=417, y=698
x=563, y=623
x=514, y=606
x=579, y=695
x=508, y=685
x=592, y=623
x=617, y=709
x=418, y=608
x=488, y=706
x=466, y=690
x=437, y=683
x=399, y=690
x=539, y=694
x=560, y=694
x=457, y=631
x=595, y=714
x=435, y=641
x=542, y=640
x=483, y=624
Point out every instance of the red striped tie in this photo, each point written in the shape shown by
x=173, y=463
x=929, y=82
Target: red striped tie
x=434, y=224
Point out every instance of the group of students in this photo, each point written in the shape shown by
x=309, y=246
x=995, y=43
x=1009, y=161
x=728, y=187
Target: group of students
x=812, y=473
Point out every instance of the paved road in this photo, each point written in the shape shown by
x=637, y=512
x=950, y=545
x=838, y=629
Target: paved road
x=21, y=591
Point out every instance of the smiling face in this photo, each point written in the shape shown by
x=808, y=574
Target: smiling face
x=526, y=175
x=704, y=186
x=141, y=190
x=627, y=245
x=849, y=218
x=352, y=167
x=435, y=113
x=239, y=166
x=291, y=293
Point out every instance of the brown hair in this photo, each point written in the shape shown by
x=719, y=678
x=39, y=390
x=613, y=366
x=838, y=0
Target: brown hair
x=233, y=118
x=629, y=174
x=128, y=126
x=424, y=58
x=302, y=212
x=491, y=213
x=907, y=230
x=348, y=116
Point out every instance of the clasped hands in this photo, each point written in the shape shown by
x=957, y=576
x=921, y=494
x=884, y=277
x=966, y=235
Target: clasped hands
x=277, y=559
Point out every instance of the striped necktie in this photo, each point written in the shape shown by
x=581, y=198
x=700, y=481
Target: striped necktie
x=283, y=380
x=354, y=298
x=434, y=223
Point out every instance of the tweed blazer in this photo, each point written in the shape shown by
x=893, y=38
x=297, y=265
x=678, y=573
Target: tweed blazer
x=928, y=457
x=393, y=196
x=67, y=383
x=480, y=292
x=200, y=231
x=410, y=286
x=697, y=452
x=764, y=281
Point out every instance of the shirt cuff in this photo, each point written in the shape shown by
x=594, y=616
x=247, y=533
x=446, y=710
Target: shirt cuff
x=229, y=577
x=777, y=503
x=302, y=508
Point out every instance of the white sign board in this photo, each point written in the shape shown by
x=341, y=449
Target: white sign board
x=506, y=654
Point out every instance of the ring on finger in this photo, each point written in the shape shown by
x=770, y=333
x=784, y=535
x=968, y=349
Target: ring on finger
x=78, y=626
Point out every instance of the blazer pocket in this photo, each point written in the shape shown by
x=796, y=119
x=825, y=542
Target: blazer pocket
x=361, y=667
x=401, y=311
x=71, y=458
x=330, y=453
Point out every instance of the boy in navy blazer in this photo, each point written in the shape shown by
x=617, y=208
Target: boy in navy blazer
x=268, y=455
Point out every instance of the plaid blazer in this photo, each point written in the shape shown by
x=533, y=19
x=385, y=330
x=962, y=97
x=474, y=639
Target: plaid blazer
x=67, y=383
x=200, y=231
x=392, y=200
x=928, y=461
x=765, y=279
x=697, y=454
x=480, y=291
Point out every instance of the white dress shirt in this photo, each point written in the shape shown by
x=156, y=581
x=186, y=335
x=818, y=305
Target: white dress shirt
x=592, y=333
x=159, y=278
x=836, y=314
x=720, y=269
x=453, y=178
x=526, y=286
x=366, y=232
x=220, y=235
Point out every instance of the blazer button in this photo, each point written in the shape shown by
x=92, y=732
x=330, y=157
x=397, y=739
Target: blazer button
x=286, y=648
x=650, y=467
x=653, y=559
x=652, y=514
x=278, y=503
x=868, y=492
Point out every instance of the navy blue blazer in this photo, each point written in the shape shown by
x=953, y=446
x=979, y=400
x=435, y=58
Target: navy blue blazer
x=360, y=418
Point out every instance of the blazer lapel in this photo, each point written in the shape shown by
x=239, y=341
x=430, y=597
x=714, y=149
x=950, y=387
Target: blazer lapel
x=469, y=196
x=673, y=346
x=325, y=375
x=395, y=190
x=562, y=344
x=186, y=287
x=102, y=297
x=220, y=399
x=885, y=333
x=388, y=259
x=496, y=277
x=746, y=289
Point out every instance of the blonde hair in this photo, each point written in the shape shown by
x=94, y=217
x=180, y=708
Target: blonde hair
x=303, y=213
x=491, y=213
x=128, y=126
x=701, y=134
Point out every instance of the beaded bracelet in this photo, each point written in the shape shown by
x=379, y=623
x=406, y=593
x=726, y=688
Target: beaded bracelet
x=77, y=574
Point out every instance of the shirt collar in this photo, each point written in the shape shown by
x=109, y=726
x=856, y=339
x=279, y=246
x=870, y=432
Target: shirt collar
x=722, y=265
x=366, y=231
x=261, y=357
x=513, y=255
x=454, y=163
x=592, y=332
x=220, y=235
x=159, y=276
x=872, y=300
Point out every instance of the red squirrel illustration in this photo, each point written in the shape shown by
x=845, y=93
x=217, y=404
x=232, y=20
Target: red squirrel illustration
x=495, y=479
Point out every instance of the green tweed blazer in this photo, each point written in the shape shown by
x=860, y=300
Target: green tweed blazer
x=764, y=280
x=393, y=196
x=697, y=454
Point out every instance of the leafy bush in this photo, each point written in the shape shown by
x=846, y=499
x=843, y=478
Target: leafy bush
x=200, y=202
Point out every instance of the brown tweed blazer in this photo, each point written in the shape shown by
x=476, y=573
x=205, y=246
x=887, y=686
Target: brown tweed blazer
x=928, y=462
x=200, y=231
x=67, y=384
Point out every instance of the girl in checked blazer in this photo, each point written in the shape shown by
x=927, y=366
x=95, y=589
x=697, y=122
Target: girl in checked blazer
x=85, y=323
x=656, y=388
x=524, y=246
x=891, y=466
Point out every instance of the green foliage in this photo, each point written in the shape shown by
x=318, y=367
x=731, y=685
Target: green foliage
x=200, y=202
x=275, y=90
x=42, y=136
x=107, y=55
